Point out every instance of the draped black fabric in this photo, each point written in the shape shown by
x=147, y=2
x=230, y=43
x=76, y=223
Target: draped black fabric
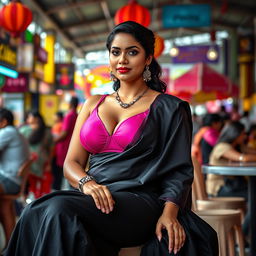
x=201, y=239
x=158, y=161
x=156, y=167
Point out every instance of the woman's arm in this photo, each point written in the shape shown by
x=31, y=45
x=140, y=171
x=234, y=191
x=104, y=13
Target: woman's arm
x=168, y=221
x=76, y=160
x=175, y=162
x=234, y=155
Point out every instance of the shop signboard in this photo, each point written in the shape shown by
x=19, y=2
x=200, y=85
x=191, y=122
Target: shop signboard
x=186, y=15
x=8, y=55
x=65, y=76
x=195, y=54
x=19, y=84
x=41, y=54
x=25, y=57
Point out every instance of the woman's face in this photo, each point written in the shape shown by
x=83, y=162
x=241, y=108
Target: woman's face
x=127, y=58
x=31, y=119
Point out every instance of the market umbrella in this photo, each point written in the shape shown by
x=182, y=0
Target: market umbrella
x=200, y=84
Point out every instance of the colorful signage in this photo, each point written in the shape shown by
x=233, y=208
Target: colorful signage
x=65, y=76
x=41, y=55
x=25, y=59
x=19, y=84
x=194, y=54
x=8, y=55
x=186, y=15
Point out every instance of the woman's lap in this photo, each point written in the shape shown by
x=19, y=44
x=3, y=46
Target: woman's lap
x=132, y=222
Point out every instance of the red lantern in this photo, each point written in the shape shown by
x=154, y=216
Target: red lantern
x=15, y=17
x=133, y=12
x=159, y=46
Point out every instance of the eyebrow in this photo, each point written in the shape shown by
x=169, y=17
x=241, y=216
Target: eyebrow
x=130, y=47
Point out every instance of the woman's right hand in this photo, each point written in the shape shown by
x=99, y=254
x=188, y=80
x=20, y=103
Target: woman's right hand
x=101, y=196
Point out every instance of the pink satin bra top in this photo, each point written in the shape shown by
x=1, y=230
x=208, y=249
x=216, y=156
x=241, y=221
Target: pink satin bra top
x=95, y=138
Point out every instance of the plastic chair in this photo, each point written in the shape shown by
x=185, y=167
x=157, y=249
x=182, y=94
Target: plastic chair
x=227, y=224
x=203, y=202
x=7, y=212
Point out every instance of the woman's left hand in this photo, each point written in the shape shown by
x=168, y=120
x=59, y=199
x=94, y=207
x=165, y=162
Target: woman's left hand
x=176, y=234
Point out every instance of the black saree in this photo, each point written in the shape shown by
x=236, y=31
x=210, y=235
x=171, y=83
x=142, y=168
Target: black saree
x=156, y=167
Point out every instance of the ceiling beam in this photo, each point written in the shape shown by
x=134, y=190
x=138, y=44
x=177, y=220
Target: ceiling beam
x=77, y=50
x=68, y=6
x=107, y=15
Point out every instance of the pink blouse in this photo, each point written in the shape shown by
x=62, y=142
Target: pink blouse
x=95, y=138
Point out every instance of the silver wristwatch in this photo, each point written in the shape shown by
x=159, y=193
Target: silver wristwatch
x=83, y=181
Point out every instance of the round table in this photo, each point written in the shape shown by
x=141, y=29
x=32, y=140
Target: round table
x=241, y=169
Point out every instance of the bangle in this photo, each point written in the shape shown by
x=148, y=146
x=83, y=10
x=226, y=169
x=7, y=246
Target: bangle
x=84, y=180
x=241, y=157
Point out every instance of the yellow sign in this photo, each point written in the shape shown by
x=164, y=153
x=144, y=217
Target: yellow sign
x=49, y=67
x=8, y=55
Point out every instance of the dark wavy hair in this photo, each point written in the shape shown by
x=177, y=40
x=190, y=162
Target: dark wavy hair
x=231, y=131
x=211, y=118
x=147, y=40
x=7, y=115
x=37, y=135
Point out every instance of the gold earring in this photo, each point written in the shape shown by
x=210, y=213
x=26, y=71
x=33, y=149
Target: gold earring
x=146, y=74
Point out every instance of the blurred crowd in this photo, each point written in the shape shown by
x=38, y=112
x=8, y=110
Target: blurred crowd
x=47, y=145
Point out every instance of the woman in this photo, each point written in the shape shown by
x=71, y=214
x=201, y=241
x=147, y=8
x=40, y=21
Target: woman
x=210, y=137
x=140, y=169
x=40, y=143
x=229, y=148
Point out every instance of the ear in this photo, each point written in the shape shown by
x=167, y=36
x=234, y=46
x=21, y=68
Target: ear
x=149, y=60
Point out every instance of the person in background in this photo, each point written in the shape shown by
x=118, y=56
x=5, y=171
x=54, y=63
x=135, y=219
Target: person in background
x=229, y=147
x=211, y=122
x=63, y=139
x=224, y=114
x=235, y=115
x=245, y=120
x=211, y=135
x=40, y=143
x=137, y=190
x=56, y=170
x=196, y=124
x=13, y=153
x=252, y=137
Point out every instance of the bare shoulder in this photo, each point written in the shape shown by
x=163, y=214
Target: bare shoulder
x=91, y=103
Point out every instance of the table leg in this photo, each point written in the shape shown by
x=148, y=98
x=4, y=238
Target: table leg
x=252, y=212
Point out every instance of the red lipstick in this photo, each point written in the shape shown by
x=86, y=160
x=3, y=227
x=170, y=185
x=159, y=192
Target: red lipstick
x=123, y=70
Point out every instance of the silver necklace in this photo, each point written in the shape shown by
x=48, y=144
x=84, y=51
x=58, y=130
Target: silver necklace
x=127, y=105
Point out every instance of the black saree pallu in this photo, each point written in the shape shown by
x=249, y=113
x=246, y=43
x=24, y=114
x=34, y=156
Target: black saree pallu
x=201, y=239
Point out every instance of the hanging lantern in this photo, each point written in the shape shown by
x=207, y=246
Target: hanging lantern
x=159, y=46
x=133, y=12
x=15, y=17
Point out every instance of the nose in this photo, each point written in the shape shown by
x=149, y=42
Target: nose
x=123, y=58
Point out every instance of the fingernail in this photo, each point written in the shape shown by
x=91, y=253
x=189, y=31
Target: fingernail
x=170, y=250
x=159, y=238
x=175, y=251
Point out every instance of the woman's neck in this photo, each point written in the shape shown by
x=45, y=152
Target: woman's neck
x=130, y=91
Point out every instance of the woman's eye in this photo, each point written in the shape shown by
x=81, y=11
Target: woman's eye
x=133, y=52
x=115, y=52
